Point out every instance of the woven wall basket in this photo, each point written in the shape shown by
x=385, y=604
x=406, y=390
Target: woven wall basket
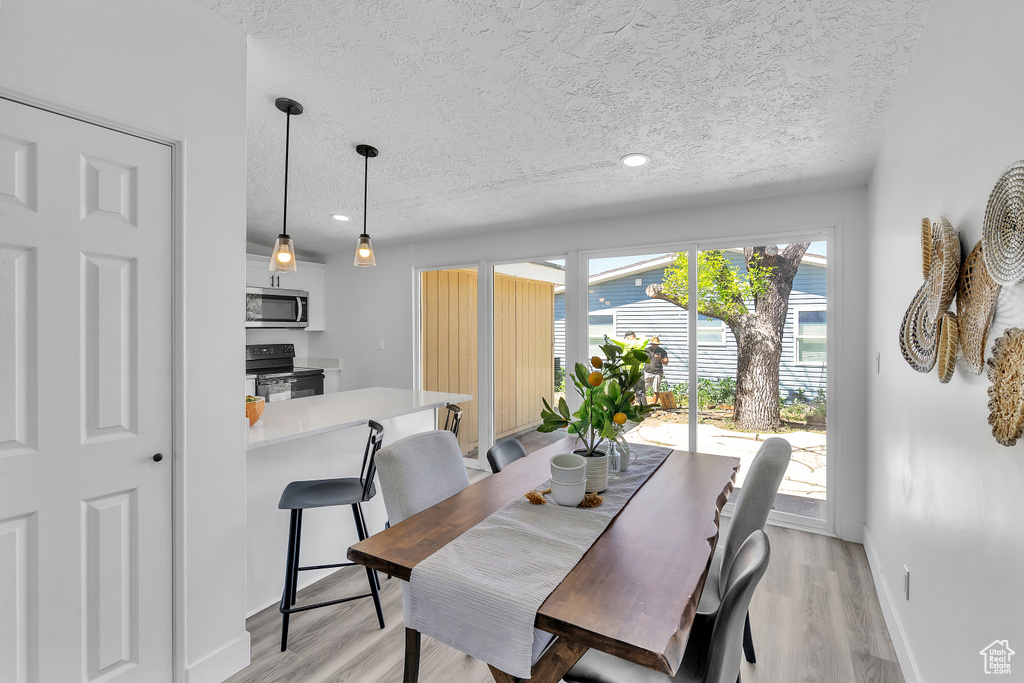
x=944, y=270
x=1002, y=232
x=945, y=361
x=926, y=247
x=918, y=337
x=976, y=297
x=1006, y=372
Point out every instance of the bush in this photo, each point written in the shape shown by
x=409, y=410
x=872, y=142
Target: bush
x=560, y=380
x=710, y=392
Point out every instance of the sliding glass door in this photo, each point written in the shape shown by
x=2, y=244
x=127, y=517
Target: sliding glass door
x=755, y=364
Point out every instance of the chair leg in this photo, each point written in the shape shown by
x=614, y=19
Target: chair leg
x=412, y=656
x=286, y=592
x=298, y=546
x=748, y=642
x=370, y=574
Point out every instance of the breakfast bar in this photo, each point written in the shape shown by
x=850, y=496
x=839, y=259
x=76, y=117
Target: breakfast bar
x=318, y=437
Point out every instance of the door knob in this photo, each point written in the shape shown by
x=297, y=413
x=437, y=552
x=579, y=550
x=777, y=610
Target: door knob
x=158, y=457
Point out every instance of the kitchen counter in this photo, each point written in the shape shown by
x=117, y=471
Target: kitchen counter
x=302, y=417
x=325, y=364
x=319, y=437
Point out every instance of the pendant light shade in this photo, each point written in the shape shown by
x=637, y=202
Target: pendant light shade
x=364, y=250
x=283, y=259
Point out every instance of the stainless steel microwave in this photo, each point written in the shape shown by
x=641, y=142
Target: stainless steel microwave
x=276, y=307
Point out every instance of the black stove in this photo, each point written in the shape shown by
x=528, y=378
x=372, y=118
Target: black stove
x=277, y=378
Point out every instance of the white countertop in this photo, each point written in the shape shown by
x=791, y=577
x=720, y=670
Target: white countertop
x=301, y=417
x=325, y=364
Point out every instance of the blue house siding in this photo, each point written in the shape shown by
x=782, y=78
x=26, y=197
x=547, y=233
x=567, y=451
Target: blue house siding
x=631, y=309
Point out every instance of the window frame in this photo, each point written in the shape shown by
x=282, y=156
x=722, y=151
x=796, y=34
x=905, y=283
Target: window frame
x=797, y=310
x=716, y=344
x=615, y=322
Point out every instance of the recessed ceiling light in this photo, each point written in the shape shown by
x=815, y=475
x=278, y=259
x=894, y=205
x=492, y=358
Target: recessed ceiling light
x=339, y=217
x=635, y=159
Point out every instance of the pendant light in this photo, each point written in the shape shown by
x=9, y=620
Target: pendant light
x=283, y=258
x=364, y=250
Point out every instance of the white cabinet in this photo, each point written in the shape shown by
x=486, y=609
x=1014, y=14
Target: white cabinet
x=332, y=381
x=257, y=274
x=308, y=277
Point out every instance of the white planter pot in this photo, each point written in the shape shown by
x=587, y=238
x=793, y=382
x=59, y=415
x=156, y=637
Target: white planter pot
x=597, y=473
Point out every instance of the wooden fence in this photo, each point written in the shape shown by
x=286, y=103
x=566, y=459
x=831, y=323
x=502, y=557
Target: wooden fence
x=523, y=346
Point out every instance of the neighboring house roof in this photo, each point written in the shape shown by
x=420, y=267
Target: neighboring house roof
x=665, y=260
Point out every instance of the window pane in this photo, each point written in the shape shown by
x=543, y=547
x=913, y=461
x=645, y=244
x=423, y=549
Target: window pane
x=812, y=323
x=811, y=350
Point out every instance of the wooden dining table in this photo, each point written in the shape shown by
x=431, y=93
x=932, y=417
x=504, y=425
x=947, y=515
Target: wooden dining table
x=634, y=594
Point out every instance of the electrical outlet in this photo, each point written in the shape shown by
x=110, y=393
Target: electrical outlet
x=380, y=344
x=906, y=582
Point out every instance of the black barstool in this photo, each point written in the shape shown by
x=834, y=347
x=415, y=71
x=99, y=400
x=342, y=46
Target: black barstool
x=301, y=495
x=453, y=419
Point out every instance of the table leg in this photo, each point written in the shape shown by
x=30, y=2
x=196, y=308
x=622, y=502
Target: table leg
x=412, y=656
x=560, y=656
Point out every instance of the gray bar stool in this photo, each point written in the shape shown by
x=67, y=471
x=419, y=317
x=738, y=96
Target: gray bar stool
x=453, y=420
x=319, y=493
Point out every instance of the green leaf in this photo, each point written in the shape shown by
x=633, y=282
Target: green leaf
x=563, y=407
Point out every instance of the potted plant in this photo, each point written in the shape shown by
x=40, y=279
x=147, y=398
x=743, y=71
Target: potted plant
x=607, y=390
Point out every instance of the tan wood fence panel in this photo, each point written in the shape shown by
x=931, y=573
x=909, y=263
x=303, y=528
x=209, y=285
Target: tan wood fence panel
x=523, y=346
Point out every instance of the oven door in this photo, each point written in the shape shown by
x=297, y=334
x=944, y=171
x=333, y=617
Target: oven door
x=276, y=307
x=287, y=386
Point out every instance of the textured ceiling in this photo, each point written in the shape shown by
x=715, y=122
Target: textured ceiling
x=501, y=114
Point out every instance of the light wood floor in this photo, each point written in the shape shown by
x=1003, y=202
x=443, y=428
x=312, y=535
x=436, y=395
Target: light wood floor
x=815, y=618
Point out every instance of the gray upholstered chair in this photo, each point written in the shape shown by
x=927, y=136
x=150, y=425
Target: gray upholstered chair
x=416, y=472
x=712, y=653
x=753, y=504
x=504, y=453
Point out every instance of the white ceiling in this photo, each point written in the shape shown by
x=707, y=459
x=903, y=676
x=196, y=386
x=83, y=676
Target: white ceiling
x=515, y=113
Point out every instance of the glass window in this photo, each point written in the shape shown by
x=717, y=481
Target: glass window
x=710, y=331
x=810, y=336
x=601, y=326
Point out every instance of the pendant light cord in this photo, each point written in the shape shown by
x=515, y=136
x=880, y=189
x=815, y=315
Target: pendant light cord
x=366, y=173
x=287, y=145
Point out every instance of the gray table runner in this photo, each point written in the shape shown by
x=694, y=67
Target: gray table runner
x=481, y=592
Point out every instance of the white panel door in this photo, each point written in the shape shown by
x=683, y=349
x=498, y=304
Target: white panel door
x=85, y=323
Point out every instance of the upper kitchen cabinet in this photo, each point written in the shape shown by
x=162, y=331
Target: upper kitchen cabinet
x=308, y=277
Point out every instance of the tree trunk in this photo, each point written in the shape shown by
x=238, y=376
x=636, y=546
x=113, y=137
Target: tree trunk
x=759, y=342
x=759, y=351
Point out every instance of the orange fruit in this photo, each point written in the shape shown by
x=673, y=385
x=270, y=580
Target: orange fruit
x=619, y=418
x=596, y=361
x=595, y=379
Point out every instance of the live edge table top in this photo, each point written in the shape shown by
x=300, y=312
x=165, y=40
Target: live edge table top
x=635, y=592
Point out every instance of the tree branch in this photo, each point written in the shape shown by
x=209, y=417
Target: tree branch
x=656, y=291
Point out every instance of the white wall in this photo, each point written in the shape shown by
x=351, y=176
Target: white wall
x=366, y=304
x=943, y=497
x=174, y=68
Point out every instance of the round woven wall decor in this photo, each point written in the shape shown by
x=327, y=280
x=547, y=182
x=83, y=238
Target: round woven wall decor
x=944, y=270
x=945, y=362
x=1002, y=232
x=918, y=337
x=1006, y=372
x=976, y=296
x=926, y=247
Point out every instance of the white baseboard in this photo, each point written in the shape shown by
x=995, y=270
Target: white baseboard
x=892, y=620
x=222, y=664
